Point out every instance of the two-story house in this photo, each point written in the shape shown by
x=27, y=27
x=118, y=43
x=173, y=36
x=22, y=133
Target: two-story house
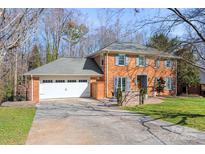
x=125, y=65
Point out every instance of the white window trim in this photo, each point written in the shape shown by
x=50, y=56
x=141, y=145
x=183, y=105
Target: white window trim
x=155, y=66
x=144, y=60
x=167, y=88
x=165, y=63
x=124, y=60
x=121, y=77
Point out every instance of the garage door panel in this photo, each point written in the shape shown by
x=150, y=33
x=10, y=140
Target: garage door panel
x=63, y=90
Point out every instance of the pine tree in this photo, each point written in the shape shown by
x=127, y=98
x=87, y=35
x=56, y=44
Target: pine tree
x=48, y=53
x=161, y=42
x=55, y=54
x=35, y=59
x=187, y=74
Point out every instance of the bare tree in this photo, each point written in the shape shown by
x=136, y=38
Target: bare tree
x=191, y=23
x=17, y=27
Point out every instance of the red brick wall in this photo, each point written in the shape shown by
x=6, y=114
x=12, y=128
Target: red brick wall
x=100, y=89
x=35, y=89
x=97, y=88
x=131, y=71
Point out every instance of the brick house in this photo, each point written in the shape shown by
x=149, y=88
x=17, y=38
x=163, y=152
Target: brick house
x=124, y=65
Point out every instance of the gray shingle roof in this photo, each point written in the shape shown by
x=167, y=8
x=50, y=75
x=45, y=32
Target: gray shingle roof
x=68, y=66
x=133, y=48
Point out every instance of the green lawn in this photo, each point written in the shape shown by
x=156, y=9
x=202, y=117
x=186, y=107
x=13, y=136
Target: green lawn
x=188, y=111
x=15, y=124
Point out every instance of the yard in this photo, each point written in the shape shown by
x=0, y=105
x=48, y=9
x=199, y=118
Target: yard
x=15, y=123
x=187, y=111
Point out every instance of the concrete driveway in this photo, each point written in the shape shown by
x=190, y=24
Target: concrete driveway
x=87, y=121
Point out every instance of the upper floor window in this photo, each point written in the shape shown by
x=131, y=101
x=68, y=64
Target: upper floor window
x=157, y=63
x=168, y=63
x=121, y=59
x=141, y=61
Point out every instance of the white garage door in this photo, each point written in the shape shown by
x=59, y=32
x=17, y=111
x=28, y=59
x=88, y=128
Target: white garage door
x=64, y=88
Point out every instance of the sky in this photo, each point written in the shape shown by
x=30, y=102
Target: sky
x=130, y=16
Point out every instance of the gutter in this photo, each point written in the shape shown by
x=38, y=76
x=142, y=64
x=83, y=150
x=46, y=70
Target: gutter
x=63, y=74
x=176, y=79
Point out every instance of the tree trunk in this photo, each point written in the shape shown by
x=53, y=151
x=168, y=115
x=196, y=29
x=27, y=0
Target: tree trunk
x=15, y=75
x=187, y=90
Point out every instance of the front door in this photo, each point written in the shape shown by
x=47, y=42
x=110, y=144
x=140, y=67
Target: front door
x=142, y=81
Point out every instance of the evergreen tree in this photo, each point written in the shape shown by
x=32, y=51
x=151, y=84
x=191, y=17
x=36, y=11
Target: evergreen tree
x=35, y=59
x=55, y=54
x=161, y=42
x=48, y=54
x=187, y=74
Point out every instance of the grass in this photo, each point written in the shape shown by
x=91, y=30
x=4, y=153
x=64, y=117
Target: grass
x=15, y=124
x=187, y=111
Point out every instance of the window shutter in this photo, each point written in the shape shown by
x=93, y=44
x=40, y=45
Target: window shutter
x=165, y=63
x=116, y=60
x=126, y=59
x=146, y=61
x=171, y=63
x=173, y=83
x=137, y=61
x=136, y=82
x=115, y=85
x=166, y=83
x=127, y=84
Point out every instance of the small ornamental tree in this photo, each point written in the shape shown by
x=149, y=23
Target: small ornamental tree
x=119, y=96
x=160, y=84
x=143, y=92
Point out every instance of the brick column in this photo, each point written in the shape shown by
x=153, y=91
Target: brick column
x=35, y=89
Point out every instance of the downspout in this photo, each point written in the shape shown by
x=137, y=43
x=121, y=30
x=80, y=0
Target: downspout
x=107, y=74
x=31, y=88
x=176, y=78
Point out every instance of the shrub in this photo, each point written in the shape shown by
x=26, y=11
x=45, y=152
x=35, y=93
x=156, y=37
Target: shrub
x=143, y=92
x=119, y=96
x=160, y=85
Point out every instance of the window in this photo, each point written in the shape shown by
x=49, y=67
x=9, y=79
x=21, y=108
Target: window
x=157, y=63
x=60, y=81
x=83, y=81
x=141, y=61
x=121, y=59
x=169, y=83
x=168, y=63
x=71, y=81
x=122, y=82
x=47, y=81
